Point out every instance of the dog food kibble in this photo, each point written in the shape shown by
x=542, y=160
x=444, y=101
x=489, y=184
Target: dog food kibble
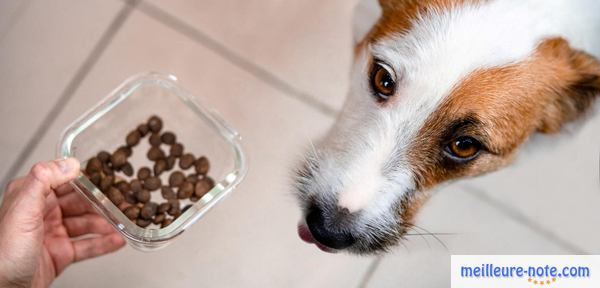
x=112, y=173
x=186, y=161
x=202, y=165
x=159, y=218
x=143, y=222
x=185, y=190
x=103, y=156
x=155, y=124
x=176, y=150
x=115, y=195
x=133, y=138
x=167, y=193
x=154, y=140
x=149, y=210
x=176, y=179
x=133, y=212
x=143, y=129
x=144, y=173
x=152, y=183
x=142, y=196
x=168, y=138
x=118, y=159
x=160, y=166
x=155, y=153
x=163, y=207
x=127, y=169
x=166, y=222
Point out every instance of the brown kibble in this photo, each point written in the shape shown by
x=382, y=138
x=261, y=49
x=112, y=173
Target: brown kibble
x=168, y=138
x=96, y=178
x=166, y=222
x=94, y=165
x=115, y=196
x=123, y=186
x=160, y=166
x=124, y=205
x=167, y=193
x=202, y=165
x=176, y=179
x=155, y=153
x=143, y=129
x=152, y=183
x=163, y=207
x=144, y=173
x=185, y=191
x=203, y=186
x=127, y=169
x=186, y=161
x=132, y=212
x=171, y=162
x=194, y=198
x=192, y=178
x=148, y=211
x=155, y=124
x=155, y=140
x=174, y=209
x=143, y=222
x=125, y=149
x=142, y=196
x=136, y=185
x=133, y=138
x=118, y=159
x=103, y=156
x=106, y=169
x=106, y=183
x=159, y=218
x=176, y=150
x=130, y=197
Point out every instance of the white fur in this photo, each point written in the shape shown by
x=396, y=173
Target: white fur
x=364, y=161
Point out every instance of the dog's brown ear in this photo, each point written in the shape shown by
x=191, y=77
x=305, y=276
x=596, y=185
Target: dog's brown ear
x=578, y=78
x=390, y=5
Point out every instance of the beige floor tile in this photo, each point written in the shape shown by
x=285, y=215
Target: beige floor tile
x=555, y=182
x=479, y=229
x=306, y=43
x=40, y=54
x=249, y=240
x=10, y=11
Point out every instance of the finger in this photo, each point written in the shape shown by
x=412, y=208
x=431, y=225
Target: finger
x=64, y=189
x=87, y=224
x=45, y=176
x=93, y=247
x=73, y=204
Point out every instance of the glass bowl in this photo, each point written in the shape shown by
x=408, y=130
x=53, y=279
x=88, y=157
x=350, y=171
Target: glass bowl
x=199, y=129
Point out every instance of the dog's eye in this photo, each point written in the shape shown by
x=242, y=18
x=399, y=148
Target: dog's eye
x=382, y=81
x=463, y=148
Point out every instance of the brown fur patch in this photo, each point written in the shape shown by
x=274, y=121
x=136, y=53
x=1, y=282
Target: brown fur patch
x=505, y=105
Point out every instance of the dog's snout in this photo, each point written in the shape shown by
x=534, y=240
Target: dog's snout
x=327, y=233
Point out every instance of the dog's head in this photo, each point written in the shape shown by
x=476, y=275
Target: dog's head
x=440, y=90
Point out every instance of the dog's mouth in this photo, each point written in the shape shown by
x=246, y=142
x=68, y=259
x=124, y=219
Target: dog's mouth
x=307, y=237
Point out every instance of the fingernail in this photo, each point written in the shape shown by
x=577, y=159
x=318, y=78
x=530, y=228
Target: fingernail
x=65, y=165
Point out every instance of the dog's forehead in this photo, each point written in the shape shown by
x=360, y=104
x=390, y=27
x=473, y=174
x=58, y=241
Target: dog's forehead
x=443, y=47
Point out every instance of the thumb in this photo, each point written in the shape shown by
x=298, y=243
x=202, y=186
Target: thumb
x=45, y=176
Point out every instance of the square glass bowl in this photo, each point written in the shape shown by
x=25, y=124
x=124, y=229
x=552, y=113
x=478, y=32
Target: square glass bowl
x=200, y=130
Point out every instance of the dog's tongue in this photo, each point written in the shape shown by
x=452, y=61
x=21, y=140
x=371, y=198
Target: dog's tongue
x=307, y=237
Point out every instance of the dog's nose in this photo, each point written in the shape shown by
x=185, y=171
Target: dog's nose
x=332, y=237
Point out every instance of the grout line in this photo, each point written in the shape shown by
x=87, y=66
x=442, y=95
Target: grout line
x=370, y=271
x=523, y=219
x=233, y=57
x=69, y=90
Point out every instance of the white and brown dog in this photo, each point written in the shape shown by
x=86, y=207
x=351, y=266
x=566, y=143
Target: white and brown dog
x=442, y=89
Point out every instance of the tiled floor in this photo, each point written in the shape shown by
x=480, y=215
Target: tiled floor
x=267, y=66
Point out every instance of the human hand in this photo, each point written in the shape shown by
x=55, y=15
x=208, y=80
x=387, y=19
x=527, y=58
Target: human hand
x=40, y=215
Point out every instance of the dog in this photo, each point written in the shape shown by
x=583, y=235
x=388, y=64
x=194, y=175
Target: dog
x=440, y=90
